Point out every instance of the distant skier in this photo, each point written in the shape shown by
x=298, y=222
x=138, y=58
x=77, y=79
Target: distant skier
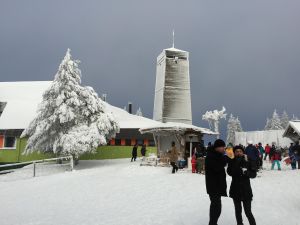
x=241, y=170
x=134, y=152
x=276, y=158
x=215, y=178
x=174, y=157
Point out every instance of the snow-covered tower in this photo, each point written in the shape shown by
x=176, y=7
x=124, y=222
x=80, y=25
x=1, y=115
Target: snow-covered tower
x=172, y=101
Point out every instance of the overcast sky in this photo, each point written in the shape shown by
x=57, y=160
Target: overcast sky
x=244, y=55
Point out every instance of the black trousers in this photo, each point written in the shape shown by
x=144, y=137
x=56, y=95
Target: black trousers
x=175, y=167
x=133, y=158
x=215, y=209
x=267, y=154
x=247, y=209
x=261, y=161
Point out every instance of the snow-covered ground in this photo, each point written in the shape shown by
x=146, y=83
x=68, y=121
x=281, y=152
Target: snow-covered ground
x=115, y=192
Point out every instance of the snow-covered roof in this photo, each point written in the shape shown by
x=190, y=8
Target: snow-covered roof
x=293, y=130
x=174, y=49
x=22, y=100
x=130, y=121
x=180, y=127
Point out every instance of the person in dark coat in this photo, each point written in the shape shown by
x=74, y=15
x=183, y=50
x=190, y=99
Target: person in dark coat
x=200, y=158
x=296, y=149
x=272, y=151
x=143, y=151
x=252, y=154
x=134, y=152
x=241, y=170
x=215, y=178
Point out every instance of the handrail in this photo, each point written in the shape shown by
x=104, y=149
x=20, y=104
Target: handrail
x=40, y=161
x=35, y=161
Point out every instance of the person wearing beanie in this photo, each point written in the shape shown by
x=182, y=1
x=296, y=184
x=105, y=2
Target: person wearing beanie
x=241, y=170
x=215, y=178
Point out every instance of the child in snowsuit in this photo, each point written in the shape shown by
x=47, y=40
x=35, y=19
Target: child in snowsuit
x=276, y=158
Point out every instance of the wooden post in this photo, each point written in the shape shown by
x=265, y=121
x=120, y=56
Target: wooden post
x=71, y=163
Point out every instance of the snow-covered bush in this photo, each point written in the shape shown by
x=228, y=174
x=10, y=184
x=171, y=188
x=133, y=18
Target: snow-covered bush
x=72, y=119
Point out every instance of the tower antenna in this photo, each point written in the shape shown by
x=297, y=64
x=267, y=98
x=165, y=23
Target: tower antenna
x=173, y=38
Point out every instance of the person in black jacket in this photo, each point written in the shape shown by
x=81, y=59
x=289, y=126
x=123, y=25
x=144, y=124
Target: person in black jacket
x=143, y=152
x=134, y=152
x=241, y=170
x=215, y=178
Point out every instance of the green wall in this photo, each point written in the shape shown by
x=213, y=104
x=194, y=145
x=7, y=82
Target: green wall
x=103, y=152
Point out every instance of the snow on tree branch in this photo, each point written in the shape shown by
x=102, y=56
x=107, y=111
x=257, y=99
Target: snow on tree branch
x=71, y=119
x=213, y=118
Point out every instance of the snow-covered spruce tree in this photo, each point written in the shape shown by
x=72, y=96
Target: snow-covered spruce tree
x=268, y=124
x=238, y=125
x=284, y=119
x=234, y=125
x=230, y=130
x=139, y=112
x=275, y=122
x=72, y=119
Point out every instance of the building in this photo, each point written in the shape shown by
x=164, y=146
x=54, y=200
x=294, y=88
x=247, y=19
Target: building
x=172, y=105
x=265, y=137
x=172, y=101
x=18, y=106
x=293, y=131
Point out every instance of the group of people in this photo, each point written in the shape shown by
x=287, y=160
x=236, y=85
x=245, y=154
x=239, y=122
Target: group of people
x=259, y=154
x=294, y=155
x=241, y=168
x=135, y=152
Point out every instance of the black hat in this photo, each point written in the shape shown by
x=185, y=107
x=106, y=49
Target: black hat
x=238, y=147
x=219, y=143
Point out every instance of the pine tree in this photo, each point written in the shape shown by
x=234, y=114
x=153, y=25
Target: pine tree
x=238, y=125
x=268, y=124
x=139, y=112
x=284, y=119
x=275, y=122
x=234, y=125
x=230, y=129
x=72, y=119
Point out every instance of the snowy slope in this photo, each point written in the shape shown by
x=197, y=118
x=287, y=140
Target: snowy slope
x=114, y=192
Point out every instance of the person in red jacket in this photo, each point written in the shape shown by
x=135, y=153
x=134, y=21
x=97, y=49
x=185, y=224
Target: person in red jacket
x=276, y=158
x=267, y=151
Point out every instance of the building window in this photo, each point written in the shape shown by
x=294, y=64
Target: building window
x=2, y=106
x=128, y=142
x=8, y=142
x=117, y=141
x=133, y=142
x=152, y=143
x=123, y=142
